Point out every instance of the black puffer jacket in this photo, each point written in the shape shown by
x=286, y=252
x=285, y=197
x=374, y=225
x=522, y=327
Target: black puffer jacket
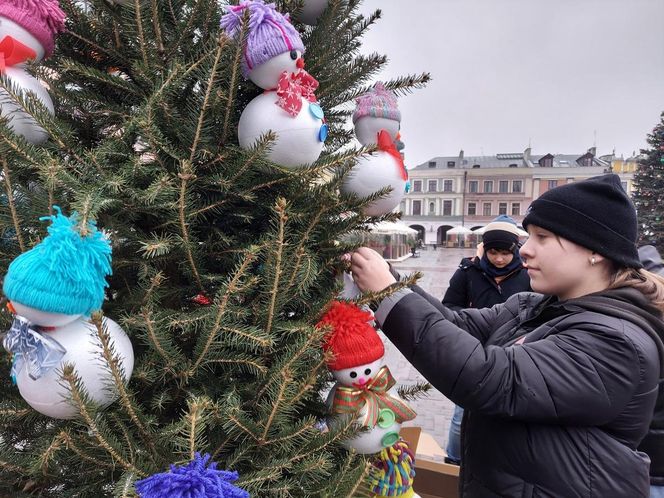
x=470, y=287
x=559, y=415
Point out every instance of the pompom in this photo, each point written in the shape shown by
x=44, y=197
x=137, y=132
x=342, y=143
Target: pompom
x=353, y=341
x=197, y=479
x=392, y=471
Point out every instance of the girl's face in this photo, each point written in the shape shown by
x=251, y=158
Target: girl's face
x=499, y=257
x=556, y=266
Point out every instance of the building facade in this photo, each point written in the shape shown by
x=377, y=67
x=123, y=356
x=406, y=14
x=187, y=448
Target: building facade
x=470, y=191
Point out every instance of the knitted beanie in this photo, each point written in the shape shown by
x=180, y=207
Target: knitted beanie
x=42, y=18
x=270, y=32
x=594, y=213
x=502, y=234
x=352, y=340
x=65, y=272
x=379, y=102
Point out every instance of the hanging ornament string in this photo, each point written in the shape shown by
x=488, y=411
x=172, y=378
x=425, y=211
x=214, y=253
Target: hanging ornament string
x=375, y=396
x=13, y=52
x=386, y=144
x=292, y=87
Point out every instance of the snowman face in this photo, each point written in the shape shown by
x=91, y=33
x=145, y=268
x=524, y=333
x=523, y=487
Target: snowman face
x=266, y=75
x=368, y=127
x=10, y=28
x=43, y=318
x=358, y=376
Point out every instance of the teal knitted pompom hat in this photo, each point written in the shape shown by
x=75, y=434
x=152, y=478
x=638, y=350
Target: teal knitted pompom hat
x=65, y=273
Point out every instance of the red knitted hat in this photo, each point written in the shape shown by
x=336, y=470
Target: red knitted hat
x=353, y=341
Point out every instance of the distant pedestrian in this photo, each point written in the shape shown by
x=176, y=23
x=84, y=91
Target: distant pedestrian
x=559, y=387
x=653, y=443
x=488, y=278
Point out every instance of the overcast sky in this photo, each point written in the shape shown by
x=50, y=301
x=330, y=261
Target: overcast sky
x=506, y=72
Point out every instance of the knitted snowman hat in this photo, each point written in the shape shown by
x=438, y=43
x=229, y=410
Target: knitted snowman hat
x=42, y=18
x=270, y=32
x=65, y=272
x=352, y=341
x=379, y=102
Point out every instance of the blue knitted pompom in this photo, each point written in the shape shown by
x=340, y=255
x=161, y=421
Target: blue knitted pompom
x=197, y=479
x=66, y=272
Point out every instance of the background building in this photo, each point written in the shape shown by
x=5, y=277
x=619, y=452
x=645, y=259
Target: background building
x=470, y=191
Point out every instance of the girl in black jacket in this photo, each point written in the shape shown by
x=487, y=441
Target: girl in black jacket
x=559, y=387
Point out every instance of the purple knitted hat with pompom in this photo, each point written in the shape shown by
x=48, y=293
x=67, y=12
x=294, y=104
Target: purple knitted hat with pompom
x=379, y=102
x=270, y=32
x=42, y=18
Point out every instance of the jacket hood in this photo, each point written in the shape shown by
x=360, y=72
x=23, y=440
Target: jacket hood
x=628, y=304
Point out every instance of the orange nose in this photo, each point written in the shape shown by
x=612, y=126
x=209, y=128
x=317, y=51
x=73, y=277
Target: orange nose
x=300, y=63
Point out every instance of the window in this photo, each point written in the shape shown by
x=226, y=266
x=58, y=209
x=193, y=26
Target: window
x=517, y=186
x=447, y=208
x=475, y=166
x=417, y=185
x=432, y=209
x=513, y=165
x=503, y=186
x=502, y=208
x=516, y=209
x=486, y=209
x=417, y=208
x=488, y=186
x=451, y=164
x=432, y=164
x=433, y=185
x=448, y=185
x=473, y=186
x=553, y=184
x=472, y=209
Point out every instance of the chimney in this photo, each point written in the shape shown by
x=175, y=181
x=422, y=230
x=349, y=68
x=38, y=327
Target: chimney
x=526, y=154
x=593, y=151
x=461, y=154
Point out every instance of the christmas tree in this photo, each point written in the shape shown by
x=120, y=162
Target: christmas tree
x=648, y=189
x=222, y=259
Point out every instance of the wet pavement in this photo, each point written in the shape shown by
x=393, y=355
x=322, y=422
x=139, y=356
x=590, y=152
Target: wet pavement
x=434, y=411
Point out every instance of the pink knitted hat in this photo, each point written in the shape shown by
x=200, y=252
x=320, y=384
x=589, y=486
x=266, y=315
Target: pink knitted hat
x=379, y=102
x=42, y=18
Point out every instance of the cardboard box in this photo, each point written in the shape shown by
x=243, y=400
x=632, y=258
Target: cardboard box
x=434, y=478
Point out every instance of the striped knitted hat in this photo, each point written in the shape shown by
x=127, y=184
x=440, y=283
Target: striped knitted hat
x=379, y=102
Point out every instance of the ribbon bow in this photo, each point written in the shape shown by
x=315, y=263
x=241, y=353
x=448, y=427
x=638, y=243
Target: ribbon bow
x=375, y=396
x=293, y=86
x=13, y=52
x=39, y=352
x=386, y=144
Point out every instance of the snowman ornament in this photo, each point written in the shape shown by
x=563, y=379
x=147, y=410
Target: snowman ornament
x=377, y=121
x=273, y=60
x=53, y=289
x=364, y=386
x=27, y=32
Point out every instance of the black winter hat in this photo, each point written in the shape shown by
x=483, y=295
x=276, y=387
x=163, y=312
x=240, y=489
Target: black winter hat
x=594, y=213
x=501, y=234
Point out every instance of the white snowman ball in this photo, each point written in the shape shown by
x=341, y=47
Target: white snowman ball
x=18, y=32
x=311, y=11
x=299, y=139
x=372, y=173
x=267, y=75
x=368, y=127
x=50, y=397
x=19, y=120
x=43, y=318
x=358, y=376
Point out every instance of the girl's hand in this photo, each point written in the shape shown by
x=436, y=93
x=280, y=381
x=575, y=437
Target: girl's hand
x=370, y=271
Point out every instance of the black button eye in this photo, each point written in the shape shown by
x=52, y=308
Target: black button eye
x=353, y=375
x=367, y=371
x=293, y=54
